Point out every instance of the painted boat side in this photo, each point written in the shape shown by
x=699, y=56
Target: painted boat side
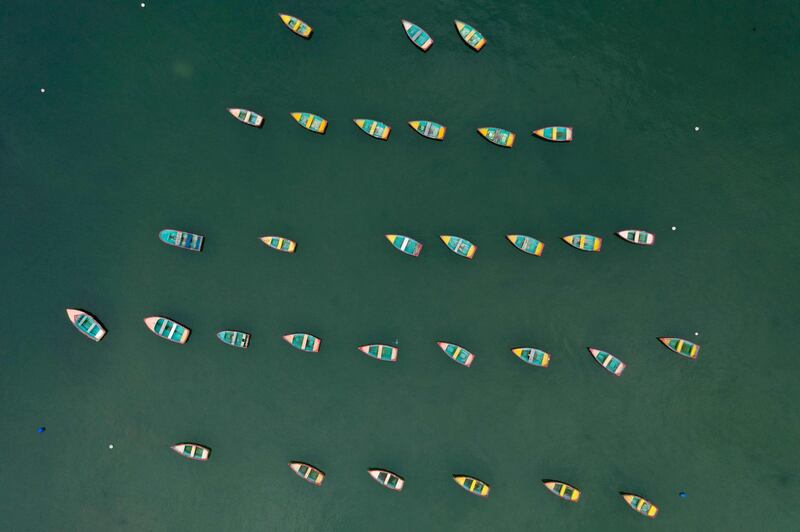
x=491, y=134
x=694, y=348
x=250, y=118
x=637, y=503
x=583, y=242
x=470, y=35
x=297, y=466
x=560, y=489
x=376, y=473
x=526, y=245
x=550, y=133
x=310, y=343
x=468, y=360
x=596, y=353
x=166, y=236
x=392, y=357
x=409, y=29
x=472, y=485
x=426, y=129
x=74, y=314
x=523, y=352
x=245, y=338
x=152, y=321
x=403, y=245
x=205, y=451
x=268, y=240
x=374, y=128
x=454, y=243
x=310, y=121
x=296, y=25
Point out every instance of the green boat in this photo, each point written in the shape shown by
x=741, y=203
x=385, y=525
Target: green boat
x=235, y=338
x=380, y=352
x=181, y=239
x=681, y=346
x=555, y=133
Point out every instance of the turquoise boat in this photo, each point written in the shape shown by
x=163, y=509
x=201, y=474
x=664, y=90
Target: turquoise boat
x=86, y=324
x=533, y=356
x=181, y=239
x=235, y=338
x=528, y=244
x=418, y=36
x=584, y=242
x=428, y=129
x=611, y=363
x=373, y=128
x=555, y=133
x=303, y=342
x=459, y=246
x=457, y=353
x=168, y=329
x=380, y=351
x=406, y=244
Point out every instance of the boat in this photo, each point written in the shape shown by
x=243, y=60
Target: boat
x=457, y=353
x=555, y=133
x=181, y=239
x=406, y=244
x=235, y=338
x=307, y=472
x=86, y=324
x=471, y=36
x=279, y=243
x=303, y=342
x=498, y=136
x=472, y=485
x=193, y=451
x=608, y=361
x=296, y=25
x=563, y=490
x=373, y=128
x=533, y=356
x=387, y=479
x=681, y=346
x=584, y=242
x=311, y=122
x=380, y=351
x=167, y=329
x=528, y=244
x=459, y=246
x=418, y=36
x=426, y=128
x=637, y=236
x=640, y=504
x=247, y=117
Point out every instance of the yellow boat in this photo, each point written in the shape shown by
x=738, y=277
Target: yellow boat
x=279, y=243
x=498, y=136
x=472, y=485
x=640, y=504
x=373, y=128
x=311, y=122
x=296, y=25
x=565, y=491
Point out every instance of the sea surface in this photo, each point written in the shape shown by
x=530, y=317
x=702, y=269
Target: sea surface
x=113, y=126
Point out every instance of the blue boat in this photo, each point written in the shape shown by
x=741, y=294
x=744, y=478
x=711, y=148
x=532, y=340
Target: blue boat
x=181, y=239
x=86, y=324
x=168, y=329
x=235, y=338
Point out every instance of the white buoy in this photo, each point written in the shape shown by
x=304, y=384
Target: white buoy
x=673, y=227
x=41, y=90
x=697, y=128
x=697, y=333
x=142, y=4
x=110, y=445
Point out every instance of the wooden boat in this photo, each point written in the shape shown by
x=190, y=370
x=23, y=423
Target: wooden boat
x=307, y=472
x=459, y=246
x=472, y=485
x=608, y=361
x=426, y=128
x=181, y=239
x=303, y=342
x=235, y=338
x=555, y=133
x=406, y=244
x=193, y=451
x=296, y=25
x=373, y=128
x=563, y=490
x=640, y=504
x=533, y=356
x=279, y=243
x=387, y=479
x=681, y=346
x=471, y=36
x=498, y=136
x=637, y=236
x=584, y=242
x=311, y=122
x=168, y=329
x=86, y=324
x=380, y=351
x=247, y=117
x=457, y=353
x=528, y=244
x=418, y=36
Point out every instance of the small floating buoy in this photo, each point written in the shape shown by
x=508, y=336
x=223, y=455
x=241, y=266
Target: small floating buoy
x=697, y=333
x=682, y=495
x=697, y=128
x=673, y=227
x=142, y=4
x=41, y=429
x=41, y=90
x=110, y=445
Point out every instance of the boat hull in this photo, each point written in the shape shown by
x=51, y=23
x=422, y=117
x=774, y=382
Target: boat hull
x=459, y=246
x=457, y=353
x=406, y=244
x=87, y=325
x=584, y=242
x=311, y=122
x=472, y=485
x=526, y=244
x=637, y=236
x=608, y=361
x=470, y=35
x=181, y=239
x=304, y=342
x=498, y=136
x=168, y=329
x=387, y=479
x=682, y=347
x=385, y=353
x=307, y=472
x=246, y=116
x=428, y=129
x=555, y=133
x=417, y=35
x=297, y=26
x=563, y=490
x=192, y=451
x=279, y=243
x=373, y=128
x=640, y=505
x=234, y=338
x=532, y=356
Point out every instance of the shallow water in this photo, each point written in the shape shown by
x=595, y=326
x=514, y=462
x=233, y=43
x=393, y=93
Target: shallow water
x=132, y=136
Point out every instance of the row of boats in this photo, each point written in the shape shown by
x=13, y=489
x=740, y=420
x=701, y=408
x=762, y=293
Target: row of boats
x=394, y=482
x=421, y=38
x=458, y=245
x=427, y=128
x=173, y=331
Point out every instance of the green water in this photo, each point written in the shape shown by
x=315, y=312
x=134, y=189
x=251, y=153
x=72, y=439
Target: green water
x=132, y=136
